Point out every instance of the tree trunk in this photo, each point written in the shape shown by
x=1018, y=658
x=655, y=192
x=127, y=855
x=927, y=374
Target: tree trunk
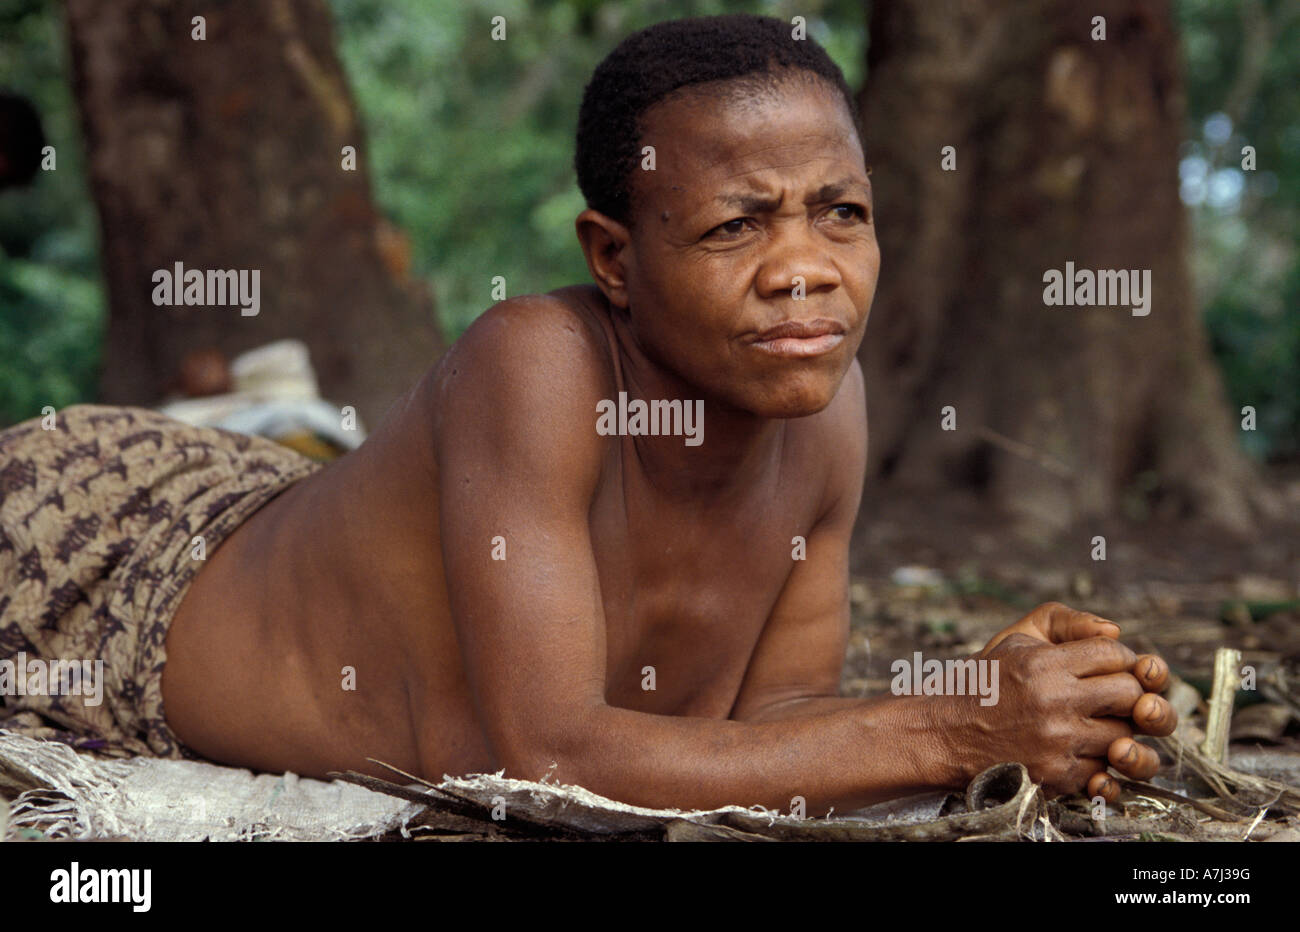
x=1066, y=151
x=226, y=153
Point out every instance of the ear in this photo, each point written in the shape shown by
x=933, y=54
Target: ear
x=604, y=243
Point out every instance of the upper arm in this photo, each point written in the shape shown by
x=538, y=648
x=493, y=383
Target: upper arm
x=800, y=653
x=518, y=463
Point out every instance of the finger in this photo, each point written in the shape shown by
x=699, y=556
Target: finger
x=1062, y=623
x=992, y=643
x=1153, y=715
x=1152, y=672
x=1113, y=694
x=1020, y=628
x=1081, y=771
x=1097, y=735
x=1013, y=639
x=1097, y=656
x=1104, y=785
x=1133, y=760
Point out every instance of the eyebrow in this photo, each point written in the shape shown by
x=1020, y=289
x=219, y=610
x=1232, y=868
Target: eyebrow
x=763, y=203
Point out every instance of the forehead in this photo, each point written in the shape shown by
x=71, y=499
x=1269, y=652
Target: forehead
x=792, y=134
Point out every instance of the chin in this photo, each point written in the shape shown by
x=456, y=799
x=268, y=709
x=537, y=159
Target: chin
x=802, y=410
x=781, y=394
x=798, y=401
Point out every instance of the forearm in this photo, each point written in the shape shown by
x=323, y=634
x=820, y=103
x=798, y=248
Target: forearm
x=864, y=751
x=802, y=708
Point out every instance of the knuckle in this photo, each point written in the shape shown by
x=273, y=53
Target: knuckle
x=1133, y=691
x=1058, y=731
x=1119, y=650
x=1037, y=661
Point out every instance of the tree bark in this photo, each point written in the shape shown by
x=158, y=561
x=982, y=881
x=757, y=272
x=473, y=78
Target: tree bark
x=226, y=153
x=1066, y=150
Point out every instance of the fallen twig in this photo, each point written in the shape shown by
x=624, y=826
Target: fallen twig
x=1222, y=779
x=1146, y=789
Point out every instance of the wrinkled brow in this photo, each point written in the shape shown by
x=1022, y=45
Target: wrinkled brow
x=752, y=203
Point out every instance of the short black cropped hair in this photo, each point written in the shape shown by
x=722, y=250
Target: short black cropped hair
x=651, y=64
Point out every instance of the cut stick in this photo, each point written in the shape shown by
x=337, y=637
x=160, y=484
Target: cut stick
x=1227, y=679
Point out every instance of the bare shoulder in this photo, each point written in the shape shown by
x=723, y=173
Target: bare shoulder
x=527, y=374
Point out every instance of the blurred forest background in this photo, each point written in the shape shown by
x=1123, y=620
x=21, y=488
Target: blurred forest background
x=465, y=146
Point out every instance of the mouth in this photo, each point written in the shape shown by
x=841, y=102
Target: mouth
x=800, y=338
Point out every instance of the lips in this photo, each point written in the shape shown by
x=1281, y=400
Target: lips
x=800, y=330
x=800, y=338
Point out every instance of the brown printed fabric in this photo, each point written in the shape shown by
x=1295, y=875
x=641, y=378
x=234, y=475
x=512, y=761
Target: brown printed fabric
x=98, y=520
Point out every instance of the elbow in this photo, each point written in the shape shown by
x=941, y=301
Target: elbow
x=540, y=766
x=561, y=750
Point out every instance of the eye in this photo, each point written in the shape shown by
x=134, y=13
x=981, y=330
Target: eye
x=856, y=212
x=730, y=228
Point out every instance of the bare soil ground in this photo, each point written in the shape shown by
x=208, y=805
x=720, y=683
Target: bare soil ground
x=1177, y=586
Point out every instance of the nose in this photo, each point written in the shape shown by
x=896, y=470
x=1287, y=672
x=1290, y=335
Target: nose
x=797, y=262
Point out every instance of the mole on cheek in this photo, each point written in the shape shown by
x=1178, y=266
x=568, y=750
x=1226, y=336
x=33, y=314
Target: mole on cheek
x=664, y=216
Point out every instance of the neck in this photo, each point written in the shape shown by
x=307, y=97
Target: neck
x=737, y=445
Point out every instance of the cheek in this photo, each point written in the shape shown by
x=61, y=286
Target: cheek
x=868, y=255
x=867, y=274
x=702, y=297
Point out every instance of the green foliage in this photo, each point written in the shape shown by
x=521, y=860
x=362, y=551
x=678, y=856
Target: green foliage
x=51, y=300
x=1246, y=255
x=50, y=325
